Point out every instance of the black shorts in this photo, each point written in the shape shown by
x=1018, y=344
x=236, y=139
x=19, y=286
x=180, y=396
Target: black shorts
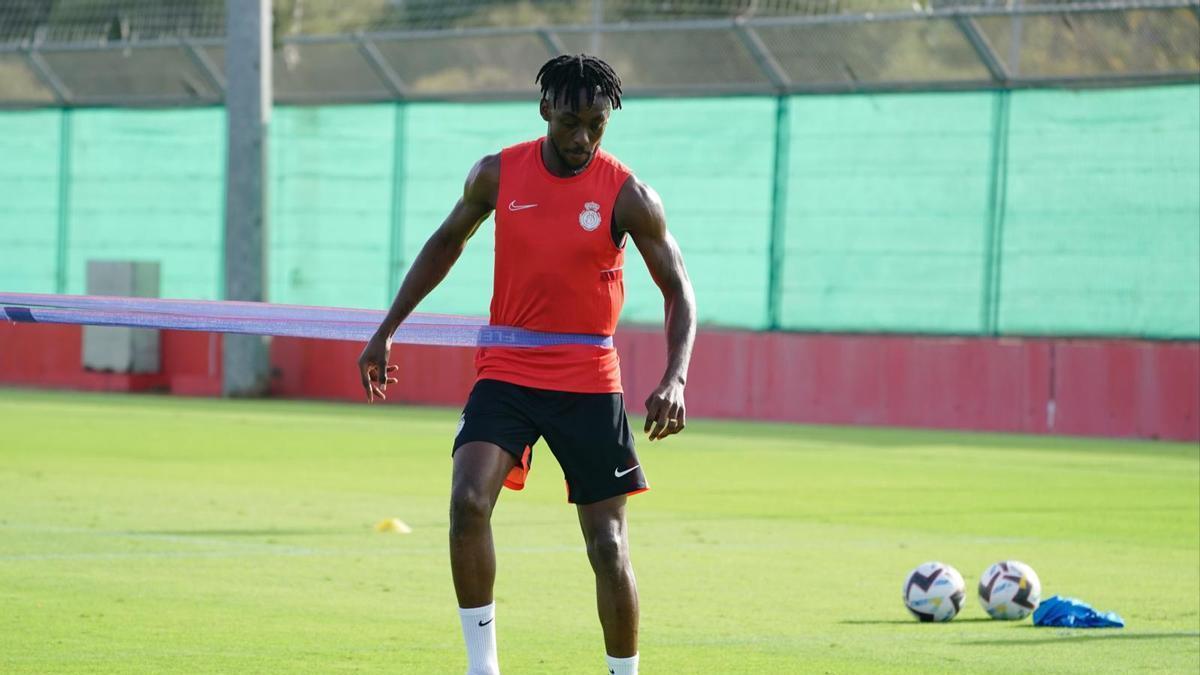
x=587, y=433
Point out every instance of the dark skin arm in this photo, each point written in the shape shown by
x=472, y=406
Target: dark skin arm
x=430, y=267
x=639, y=212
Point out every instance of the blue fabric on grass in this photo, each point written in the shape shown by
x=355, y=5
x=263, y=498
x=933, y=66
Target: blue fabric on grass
x=1073, y=613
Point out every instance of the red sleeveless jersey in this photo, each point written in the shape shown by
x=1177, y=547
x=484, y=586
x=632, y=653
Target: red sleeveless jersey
x=557, y=270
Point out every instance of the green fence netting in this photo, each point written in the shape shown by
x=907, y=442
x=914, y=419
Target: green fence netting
x=1101, y=230
x=30, y=184
x=1027, y=212
x=887, y=212
x=442, y=141
x=330, y=199
x=716, y=187
x=147, y=185
x=711, y=161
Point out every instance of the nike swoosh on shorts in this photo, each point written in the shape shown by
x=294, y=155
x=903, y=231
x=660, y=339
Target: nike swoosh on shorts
x=619, y=473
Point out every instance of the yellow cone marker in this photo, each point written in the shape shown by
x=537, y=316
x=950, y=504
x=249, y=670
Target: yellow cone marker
x=393, y=525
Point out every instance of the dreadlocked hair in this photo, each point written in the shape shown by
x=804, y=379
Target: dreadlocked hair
x=563, y=76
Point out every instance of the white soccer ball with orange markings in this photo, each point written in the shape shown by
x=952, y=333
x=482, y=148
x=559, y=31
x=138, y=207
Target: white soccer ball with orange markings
x=934, y=591
x=1009, y=590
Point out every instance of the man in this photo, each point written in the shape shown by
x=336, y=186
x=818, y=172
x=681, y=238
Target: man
x=563, y=211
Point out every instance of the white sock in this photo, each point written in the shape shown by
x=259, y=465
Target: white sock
x=625, y=666
x=479, y=632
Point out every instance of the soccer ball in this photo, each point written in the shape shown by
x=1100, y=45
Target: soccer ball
x=934, y=592
x=1009, y=590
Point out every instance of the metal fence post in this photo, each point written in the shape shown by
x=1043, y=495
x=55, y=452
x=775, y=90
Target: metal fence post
x=380, y=65
x=1014, y=45
x=766, y=61
x=993, y=242
x=248, y=112
x=983, y=47
x=597, y=21
x=396, y=259
x=776, y=248
x=64, y=200
x=47, y=76
x=554, y=46
x=211, y=73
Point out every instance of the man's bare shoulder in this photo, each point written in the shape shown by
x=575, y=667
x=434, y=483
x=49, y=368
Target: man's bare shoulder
x=639, y=209
x=483, y=183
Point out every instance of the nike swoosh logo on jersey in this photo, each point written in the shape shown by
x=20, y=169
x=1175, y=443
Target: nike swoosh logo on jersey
x=514, y=206
x=619, y=473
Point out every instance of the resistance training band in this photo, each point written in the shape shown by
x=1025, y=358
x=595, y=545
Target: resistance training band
x=258, y=318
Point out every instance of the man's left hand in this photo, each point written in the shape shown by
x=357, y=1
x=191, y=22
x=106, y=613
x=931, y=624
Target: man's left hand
x=665, y=413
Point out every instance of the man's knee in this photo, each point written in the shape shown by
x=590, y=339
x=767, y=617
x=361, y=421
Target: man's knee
x=469, y=508
x=608, y=553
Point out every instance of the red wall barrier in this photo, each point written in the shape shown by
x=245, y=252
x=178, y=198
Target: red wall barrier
x=1119, y=388
x=51, y=356
x=1127, y=388
x=323, y=369
x=875, y=380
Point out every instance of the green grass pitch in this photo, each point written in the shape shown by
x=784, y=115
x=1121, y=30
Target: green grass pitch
x=149, y=534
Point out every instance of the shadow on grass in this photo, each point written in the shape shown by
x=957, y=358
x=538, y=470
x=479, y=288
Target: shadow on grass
x=914, y=622
x=1081, y=637
x=277, y=532
x=834, y=436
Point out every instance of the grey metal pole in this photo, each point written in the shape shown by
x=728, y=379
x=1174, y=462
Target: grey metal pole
x=597, y=20
x=245, y=369
x=1014, y=43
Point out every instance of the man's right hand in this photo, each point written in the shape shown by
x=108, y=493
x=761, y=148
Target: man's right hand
x=429, y=268
x=373, y=367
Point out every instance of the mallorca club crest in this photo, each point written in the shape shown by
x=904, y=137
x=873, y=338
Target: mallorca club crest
x=589, y=217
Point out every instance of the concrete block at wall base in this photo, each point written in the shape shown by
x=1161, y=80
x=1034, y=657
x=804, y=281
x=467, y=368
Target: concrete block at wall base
x=121, y=350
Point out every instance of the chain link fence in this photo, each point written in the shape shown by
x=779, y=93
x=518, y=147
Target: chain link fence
x=135, y=52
